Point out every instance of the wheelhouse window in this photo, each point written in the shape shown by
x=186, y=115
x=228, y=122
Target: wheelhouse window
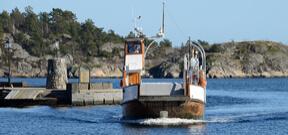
x=133, y=48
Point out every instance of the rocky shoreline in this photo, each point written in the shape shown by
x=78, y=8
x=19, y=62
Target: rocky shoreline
x=248, y=59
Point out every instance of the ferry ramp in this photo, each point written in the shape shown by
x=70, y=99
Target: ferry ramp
x=22, y=93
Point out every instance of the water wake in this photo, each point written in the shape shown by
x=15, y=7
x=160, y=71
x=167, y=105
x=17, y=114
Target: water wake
x=173, y=121
x=170, y=121
x=163, y=121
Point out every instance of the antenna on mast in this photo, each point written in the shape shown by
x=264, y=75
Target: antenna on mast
x=161, y=32
x=138, y=30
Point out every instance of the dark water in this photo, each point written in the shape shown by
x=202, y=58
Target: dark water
x=234, y=106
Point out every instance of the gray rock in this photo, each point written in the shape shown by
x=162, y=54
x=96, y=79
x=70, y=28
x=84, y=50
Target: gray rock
x=249, y=59
x=19, y=52
x=165, y=69
x=108, y=47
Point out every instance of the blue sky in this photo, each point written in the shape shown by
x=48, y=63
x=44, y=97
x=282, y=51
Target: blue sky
x=212, y=20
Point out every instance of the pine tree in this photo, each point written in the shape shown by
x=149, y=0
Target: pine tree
x=6, y=22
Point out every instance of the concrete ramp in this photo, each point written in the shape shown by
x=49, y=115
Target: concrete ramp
x=161, y=89
x=24, y=94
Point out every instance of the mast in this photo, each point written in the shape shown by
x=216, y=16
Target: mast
x=163, y=17
x=189, y=46
x=160, y=34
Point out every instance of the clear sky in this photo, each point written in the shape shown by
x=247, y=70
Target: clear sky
x=212, y=20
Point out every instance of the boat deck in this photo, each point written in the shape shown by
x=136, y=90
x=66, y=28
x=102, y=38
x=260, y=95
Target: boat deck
x=163, y=98
x=161, y=89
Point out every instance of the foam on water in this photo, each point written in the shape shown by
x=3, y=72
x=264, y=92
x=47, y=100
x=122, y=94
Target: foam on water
x=163, y=121
x=170, y=121
x=174, y=121
x=211, y=119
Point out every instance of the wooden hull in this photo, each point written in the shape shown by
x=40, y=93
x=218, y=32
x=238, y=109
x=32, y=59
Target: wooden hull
x=188, y=109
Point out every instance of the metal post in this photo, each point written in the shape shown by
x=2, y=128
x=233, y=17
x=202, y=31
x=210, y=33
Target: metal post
x=146, y=50
x=8, y=46
x=9, y=70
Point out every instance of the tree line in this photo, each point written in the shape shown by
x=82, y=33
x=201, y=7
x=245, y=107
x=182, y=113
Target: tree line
x=37, y=32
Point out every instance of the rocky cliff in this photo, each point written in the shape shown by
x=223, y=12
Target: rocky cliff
x=248, y=59
x=231, y=59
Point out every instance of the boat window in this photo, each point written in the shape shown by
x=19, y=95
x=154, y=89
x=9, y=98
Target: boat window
x=134, y=48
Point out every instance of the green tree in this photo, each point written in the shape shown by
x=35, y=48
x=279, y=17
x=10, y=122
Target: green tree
x=32, y=25
x=44, y=22
x=37, y=46
x=57, y=21
x=112, y=36
x=203, y=43
x=17, y=18
x=149, y=41
x=216, y=48
x=1, y=31
x=74, y=30
x=165, y=43
x=61, y=20
x=131, y=34
x=88, y=44
x=6, y=22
